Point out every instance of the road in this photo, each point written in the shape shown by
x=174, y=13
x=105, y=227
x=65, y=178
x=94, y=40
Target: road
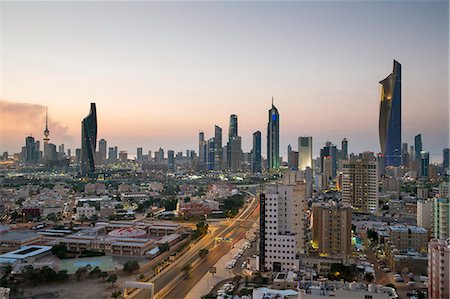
x=172, y=282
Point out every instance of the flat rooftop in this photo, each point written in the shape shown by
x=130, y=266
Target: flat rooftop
x=25, y=252
x=18, y=236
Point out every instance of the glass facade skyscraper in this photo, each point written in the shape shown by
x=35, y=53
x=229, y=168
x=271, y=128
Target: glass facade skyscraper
x=88, y=141
x=273, y=139
x=256, y=152
x=390, y=122
x=233, y=129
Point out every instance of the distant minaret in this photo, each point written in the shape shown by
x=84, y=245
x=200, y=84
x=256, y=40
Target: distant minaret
x=46, y=134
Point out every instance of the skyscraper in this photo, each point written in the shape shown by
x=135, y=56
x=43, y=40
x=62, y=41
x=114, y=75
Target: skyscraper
x=171, y=160
x=424, y=163
x=328, y=157
x=88, y=141
x=217, y=148
x=201, y=151
x=390, y=122
x=233, y=129
x=304, y=152
x=446, y=158
x=344, y=148
x=210, y=154
x=102, y=150
x=418, y=145
x=139, y=154
x=256, y=152
x=273, y=139
x=31, y=154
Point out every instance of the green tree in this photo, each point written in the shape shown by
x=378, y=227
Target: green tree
x=95, y=272
x=164, y=247
x=372, y=235
x=131, y=266
x=369, y=277
x=80, y=272
x=112, y=279
x=116, y=294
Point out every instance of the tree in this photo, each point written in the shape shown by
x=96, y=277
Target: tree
x=103, y=275
x=80, y=272
x=95, y=272
x=60, y=250
x=369, y=277
x=116, y=294
x=112, y=279
x=203, y=252
x=164, y=247
x=131, y=266
x=372, y=235
x=141, y=277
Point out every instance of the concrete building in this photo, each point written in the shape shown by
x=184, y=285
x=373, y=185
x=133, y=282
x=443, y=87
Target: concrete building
x=441, y=216
x=425, y=214
x=332, y=225
x=282, y=225
x=360, y=183
x=304, y=152
x=408, y=237
x=86, y=210
x=439, y=269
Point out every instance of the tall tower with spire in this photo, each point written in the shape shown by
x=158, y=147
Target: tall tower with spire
x=273, y=139
x=46, y=134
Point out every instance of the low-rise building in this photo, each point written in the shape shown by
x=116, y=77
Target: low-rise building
x=408, y=237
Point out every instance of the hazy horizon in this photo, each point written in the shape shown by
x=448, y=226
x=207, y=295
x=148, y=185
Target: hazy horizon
x=160, y=72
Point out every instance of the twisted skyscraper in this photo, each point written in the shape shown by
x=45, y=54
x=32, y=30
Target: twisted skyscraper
x=273, y=139
x=390, y=123
x=88, y=141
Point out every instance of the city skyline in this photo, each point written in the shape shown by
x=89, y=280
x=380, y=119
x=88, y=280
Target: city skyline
x=170, y=113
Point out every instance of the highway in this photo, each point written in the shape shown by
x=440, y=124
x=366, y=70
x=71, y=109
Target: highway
x=173, y=283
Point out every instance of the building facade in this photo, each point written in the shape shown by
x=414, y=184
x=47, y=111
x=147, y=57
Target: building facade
x=390, y=121
x=439, y=269
x=88, y=142
x=304, y=152
x=273, y=139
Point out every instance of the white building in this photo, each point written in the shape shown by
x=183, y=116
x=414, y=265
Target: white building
x=86, y=210
x=283, y=225
x=360, y=183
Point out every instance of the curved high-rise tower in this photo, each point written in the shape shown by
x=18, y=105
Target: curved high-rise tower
x=273, y=139
x=88, y=141
x=390, y=122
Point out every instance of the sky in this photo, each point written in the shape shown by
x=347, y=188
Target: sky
x=160, y=72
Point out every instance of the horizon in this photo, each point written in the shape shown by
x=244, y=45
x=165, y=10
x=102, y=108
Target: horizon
x=197, y=63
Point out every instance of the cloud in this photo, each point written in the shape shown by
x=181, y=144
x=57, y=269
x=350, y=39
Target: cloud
x=18, y=120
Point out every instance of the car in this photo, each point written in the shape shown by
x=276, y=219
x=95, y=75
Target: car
x=386, y=270
x=411, y=283
x=410, y=275
x=398, y=279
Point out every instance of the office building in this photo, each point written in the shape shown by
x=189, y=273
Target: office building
x=332, y=228
x=113, y=154
x=439, y=269
x=360, y=183
x=441, y=216
x=424, y=164
x=88, y=142
x=328, y=159
x=405, y=155
x=446, y=158
x=233, y=127
x=102, y=146
x=139, y=154
x=344, y=149
x=304, y=152
x=418, y=145
x=30, y=152
x=235, y=153
x=201, y=151
x=218, y=148
x=256, y=153
x=171, y=160
x=292, y=159
x=273, y=139
x=390, y=121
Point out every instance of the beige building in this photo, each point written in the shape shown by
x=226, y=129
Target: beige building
x=332, y=225
x=360, y=183
x=425, y=214
x=408, y=237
